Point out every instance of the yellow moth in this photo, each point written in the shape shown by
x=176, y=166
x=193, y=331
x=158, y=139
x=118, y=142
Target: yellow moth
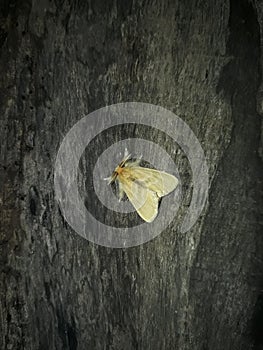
x=144, y=187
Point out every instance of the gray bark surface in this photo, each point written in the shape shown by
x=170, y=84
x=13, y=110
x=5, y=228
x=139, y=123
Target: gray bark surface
x=194, y=291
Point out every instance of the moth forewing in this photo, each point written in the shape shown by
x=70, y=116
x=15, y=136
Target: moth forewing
x=169, y=182
x=158, y=181
x=134, y=190
x=143, y=200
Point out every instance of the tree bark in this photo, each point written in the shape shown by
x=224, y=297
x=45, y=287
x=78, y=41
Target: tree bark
x=198, y=290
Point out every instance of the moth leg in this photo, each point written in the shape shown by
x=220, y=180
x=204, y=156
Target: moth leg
x=108, y=179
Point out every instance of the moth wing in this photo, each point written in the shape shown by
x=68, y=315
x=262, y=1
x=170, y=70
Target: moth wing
x=143, y=199
x=149, y=210
x=157, y=181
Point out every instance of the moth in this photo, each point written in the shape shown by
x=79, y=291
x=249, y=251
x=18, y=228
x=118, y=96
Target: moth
x=144, y=187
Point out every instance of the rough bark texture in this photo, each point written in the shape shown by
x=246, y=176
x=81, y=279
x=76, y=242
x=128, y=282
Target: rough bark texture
x=199, y=290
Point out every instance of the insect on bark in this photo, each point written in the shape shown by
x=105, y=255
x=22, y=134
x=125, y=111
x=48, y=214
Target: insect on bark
x=144, y=187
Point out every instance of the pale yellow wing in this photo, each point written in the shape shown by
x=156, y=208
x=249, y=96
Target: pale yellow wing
x=143, y=199
x=149, y=210
x=157, y=181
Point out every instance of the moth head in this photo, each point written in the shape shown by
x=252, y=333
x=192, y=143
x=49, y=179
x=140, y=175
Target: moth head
x=116, y=171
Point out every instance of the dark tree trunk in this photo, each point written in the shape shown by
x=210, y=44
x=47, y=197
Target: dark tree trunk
x=198, y=290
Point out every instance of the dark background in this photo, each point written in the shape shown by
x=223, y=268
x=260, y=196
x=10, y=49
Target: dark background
x=63, y=59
